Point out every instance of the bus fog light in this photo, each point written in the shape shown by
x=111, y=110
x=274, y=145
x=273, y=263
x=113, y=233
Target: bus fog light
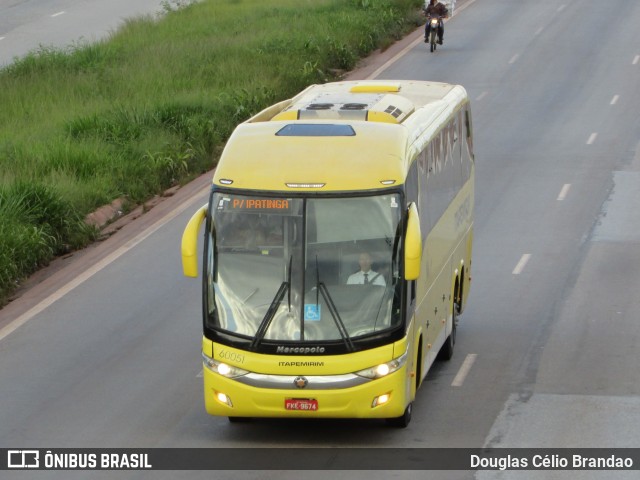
x=380, y=400
x=223, y=398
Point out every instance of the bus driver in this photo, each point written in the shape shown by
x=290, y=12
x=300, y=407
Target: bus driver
x=365, y=276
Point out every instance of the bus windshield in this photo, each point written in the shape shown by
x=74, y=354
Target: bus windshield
x=303, y=269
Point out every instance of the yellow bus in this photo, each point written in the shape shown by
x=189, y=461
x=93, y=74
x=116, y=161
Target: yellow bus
x=337, y=251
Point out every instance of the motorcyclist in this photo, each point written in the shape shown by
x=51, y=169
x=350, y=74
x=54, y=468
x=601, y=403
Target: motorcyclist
x=435, y=9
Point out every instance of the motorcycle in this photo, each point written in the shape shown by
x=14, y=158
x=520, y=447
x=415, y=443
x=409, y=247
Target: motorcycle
x=432, y=35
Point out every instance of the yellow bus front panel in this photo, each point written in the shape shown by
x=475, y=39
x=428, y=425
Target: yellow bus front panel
x=228, y=397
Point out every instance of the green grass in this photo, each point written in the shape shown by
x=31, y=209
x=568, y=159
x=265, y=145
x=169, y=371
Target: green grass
x=152, y=106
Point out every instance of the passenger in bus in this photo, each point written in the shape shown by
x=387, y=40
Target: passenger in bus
x=366, y=276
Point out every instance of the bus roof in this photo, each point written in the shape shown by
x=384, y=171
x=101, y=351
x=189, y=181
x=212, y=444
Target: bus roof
x=341, y=136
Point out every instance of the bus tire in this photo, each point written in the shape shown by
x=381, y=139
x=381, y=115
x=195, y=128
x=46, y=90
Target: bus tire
x=446, y=353
x=238, y=419
x=403, y=420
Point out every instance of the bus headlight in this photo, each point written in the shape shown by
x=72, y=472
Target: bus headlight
x=222, y=368
x=384, y=369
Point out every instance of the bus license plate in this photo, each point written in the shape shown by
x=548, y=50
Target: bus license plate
x=301, y=404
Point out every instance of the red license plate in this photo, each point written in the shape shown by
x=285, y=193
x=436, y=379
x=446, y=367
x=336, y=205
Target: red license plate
x=301, y=404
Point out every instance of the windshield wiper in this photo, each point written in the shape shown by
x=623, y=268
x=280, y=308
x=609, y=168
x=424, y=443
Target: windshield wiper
x=273, y=308
x=289, y=275
x=322, y=289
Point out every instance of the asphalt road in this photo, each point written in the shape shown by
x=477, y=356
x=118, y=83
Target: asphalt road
x=551, y=330
x=27, y=25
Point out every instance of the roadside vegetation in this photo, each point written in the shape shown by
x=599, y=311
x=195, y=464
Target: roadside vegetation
x=152, y=106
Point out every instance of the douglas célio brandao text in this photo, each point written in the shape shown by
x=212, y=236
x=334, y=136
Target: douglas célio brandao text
x=550, y=461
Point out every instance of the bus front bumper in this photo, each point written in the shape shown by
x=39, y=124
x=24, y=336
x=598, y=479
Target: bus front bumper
x=385, y=397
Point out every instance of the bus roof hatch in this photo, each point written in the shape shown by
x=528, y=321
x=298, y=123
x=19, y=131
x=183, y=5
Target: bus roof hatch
x=366, y=106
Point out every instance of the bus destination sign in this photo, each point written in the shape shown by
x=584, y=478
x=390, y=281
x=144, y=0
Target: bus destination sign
x=256, y=205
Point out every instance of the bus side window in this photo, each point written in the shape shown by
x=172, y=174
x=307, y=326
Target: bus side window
x=412, y=183
x=467, y=125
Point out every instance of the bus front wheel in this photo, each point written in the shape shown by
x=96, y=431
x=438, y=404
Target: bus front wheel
x=403, y=420
x=239, y=419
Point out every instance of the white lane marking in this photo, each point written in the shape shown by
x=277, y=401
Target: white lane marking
x=521, y=264
x=2, y=38
x=57, y=14
x=464, y=370
x=636, y=59
x=615, y=99
x=395, y=58
x=592, y=138
x=201, y=374
x=514, y=58
x=481, y=96
x=414, y=44
x=561, y=8
x=84, y=276
x=538, y=32
x=563, y=193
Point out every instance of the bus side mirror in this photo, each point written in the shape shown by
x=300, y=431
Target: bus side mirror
x=412, y=245
x=190, y=243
